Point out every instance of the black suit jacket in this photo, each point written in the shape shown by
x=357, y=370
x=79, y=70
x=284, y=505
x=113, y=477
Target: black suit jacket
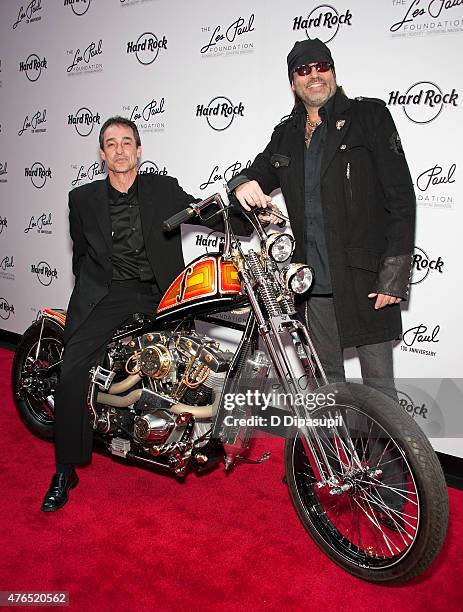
x=159, y=197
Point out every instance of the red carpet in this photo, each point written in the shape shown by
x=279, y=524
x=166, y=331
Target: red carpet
x=132, y=539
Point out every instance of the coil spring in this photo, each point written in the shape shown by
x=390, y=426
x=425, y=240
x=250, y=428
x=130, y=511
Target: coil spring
x=287, y=305
x=265, y=291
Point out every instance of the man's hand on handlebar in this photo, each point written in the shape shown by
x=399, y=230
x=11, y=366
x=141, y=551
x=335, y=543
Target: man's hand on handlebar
x=266, y=217
x=250, y=195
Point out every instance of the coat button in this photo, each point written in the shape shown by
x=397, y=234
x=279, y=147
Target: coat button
x=277, y=164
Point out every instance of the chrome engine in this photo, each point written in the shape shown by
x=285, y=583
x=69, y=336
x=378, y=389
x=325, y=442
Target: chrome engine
x=159, y=397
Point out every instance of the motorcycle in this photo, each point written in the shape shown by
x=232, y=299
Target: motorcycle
x=362, y=476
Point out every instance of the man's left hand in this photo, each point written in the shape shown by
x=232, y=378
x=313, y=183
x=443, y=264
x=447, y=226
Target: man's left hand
x=383, y=300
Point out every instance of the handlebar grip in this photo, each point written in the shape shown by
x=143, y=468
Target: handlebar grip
x=176, y=220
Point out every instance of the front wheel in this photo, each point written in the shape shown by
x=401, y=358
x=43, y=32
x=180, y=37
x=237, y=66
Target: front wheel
x=35, y=376
x=368, y=486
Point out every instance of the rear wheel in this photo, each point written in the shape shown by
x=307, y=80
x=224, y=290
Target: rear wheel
x=368, y=486
x=35, y=376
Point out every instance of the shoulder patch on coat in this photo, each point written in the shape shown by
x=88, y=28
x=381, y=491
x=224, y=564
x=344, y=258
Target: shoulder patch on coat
x=375, y=100
x=283, y=121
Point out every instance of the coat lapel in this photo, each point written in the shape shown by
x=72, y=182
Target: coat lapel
x=101, y=210
x=338, y=126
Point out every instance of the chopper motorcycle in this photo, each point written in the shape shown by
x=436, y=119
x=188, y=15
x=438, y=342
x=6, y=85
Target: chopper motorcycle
x=362, y=476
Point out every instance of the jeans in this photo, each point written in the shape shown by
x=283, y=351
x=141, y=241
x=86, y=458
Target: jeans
x=376, y=366
x=375, y=359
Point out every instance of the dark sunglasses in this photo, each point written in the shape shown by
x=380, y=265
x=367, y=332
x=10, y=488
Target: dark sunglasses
x=306, y=69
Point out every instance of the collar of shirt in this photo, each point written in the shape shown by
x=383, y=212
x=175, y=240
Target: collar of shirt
x=118, y=197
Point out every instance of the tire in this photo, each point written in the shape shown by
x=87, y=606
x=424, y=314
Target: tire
x=32, y=380
x=379, y=540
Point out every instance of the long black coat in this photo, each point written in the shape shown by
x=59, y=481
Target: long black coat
x=368, y=205
x=159, y=197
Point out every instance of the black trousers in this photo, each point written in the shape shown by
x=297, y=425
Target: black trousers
x=85, y=348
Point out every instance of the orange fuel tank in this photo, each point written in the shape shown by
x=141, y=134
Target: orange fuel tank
x=206, y=280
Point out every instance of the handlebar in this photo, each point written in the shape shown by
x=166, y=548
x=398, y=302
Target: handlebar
x=194, y=209
x=176, y=220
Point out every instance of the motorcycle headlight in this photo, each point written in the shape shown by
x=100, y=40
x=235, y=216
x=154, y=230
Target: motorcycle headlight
x=297, y=278
x=280, y=247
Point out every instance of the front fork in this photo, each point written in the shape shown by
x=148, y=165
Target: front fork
x=298, y=369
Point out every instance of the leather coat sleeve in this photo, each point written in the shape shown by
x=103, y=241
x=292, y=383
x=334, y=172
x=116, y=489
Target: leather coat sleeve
x=236, y=181
x=79, y=243
x=394, y=177
x=394, y=276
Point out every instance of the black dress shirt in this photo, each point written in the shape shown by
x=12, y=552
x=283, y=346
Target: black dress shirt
x=129, y=254
x=314, y=234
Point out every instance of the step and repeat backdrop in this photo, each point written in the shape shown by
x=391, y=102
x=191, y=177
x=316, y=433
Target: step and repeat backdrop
x=206, y=82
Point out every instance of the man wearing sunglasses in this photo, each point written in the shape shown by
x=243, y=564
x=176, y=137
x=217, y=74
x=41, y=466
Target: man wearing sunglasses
x=342, y=171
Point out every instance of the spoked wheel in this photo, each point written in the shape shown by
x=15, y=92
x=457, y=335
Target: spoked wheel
x=368, y=486
x=35, y=376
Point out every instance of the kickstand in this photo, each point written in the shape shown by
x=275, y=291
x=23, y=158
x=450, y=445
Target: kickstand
x=242, y=459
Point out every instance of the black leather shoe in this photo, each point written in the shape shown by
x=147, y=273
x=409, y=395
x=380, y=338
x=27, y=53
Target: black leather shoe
x=58, y=493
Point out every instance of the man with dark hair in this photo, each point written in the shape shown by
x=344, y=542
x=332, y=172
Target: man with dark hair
x=115, y=226
x=343, y=173
x=123, y=263
x=118, y=120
